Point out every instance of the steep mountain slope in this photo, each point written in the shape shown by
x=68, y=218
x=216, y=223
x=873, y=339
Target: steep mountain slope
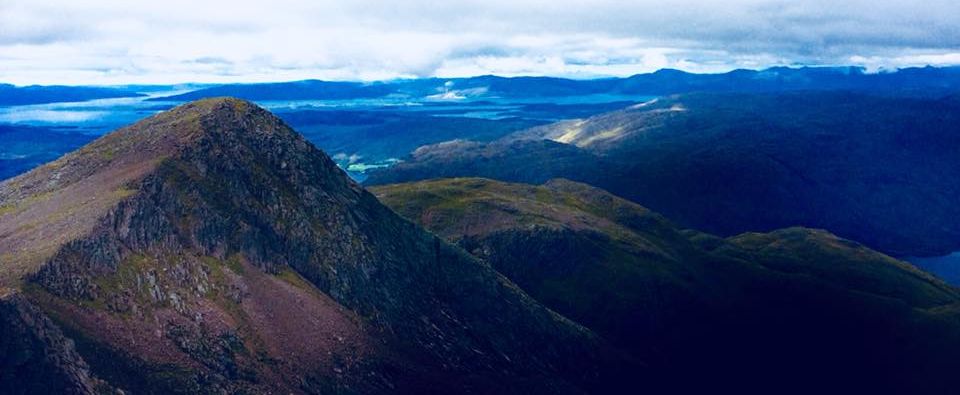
x=210, y=248
x=878, y=170
x=791, y=311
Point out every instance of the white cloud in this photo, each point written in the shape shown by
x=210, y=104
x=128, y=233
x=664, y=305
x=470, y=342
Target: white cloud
x=99, y=41
x=876, y=63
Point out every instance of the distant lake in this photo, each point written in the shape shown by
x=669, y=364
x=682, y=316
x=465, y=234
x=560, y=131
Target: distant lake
x=362, y=134
x=103, y=115
x=946, y=267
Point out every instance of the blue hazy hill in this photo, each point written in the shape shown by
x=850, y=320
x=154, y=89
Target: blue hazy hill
x=11, y=95
x=913, y=81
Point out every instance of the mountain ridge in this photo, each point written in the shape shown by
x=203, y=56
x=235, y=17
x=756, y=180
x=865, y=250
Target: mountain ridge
x=228, y=219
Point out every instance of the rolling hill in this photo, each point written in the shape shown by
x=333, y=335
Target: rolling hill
x=791, y=311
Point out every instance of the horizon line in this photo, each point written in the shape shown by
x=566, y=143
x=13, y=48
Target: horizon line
x=864, y=70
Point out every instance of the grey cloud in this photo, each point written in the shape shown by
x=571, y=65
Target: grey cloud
x=338, y=39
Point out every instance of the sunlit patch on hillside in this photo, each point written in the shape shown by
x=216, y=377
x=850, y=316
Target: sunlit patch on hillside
x=572, y=133
x=606, y=135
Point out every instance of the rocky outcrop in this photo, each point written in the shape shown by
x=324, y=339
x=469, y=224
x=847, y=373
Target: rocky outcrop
x=35, y=356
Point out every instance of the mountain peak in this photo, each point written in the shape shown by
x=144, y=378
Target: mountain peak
x=217, y=105
x=210, y=115
x=67, y=197
x=244, y=252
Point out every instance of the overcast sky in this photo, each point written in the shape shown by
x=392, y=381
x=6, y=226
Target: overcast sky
x=111, y=42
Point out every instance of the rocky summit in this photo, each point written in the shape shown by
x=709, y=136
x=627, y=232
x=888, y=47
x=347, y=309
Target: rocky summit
x=211, y=249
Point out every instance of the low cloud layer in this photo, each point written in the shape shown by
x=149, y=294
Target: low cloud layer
x=111, y=42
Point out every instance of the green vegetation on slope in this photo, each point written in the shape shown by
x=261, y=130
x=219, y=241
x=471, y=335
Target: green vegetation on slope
x=794, y=304
x=597, y=259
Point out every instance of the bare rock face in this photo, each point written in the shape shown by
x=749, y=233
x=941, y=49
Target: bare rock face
x=217, y=250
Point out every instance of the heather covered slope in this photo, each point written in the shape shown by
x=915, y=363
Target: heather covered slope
x=877, y=169
x=211, y=248
x=609, y=264
x=789, y=311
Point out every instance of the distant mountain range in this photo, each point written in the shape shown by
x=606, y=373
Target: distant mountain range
x=914, y=81
x=877, y=169
x=919, y=81
x=928, y=81
x=11, y=95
